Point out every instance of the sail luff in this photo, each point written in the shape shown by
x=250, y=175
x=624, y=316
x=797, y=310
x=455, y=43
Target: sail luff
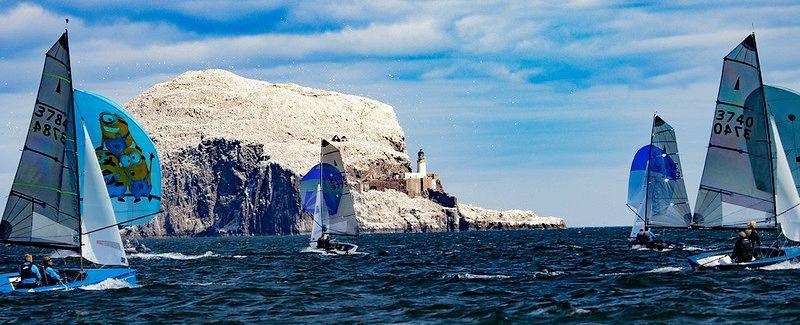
x=647, y=212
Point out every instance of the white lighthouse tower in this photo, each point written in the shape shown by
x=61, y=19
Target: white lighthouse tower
x=422, y=170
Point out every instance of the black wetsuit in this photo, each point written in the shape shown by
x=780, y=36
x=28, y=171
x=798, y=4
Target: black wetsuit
x=754, y=238
x=742, y=250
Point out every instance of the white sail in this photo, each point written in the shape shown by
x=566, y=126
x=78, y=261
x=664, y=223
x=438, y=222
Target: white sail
x=100, y=246
x=342, y=218
x=319, y=211
x=786, y=198
x=737, y=182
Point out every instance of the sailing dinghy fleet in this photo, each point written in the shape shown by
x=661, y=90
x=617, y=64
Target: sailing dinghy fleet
x=747, y=178
x=86, y=168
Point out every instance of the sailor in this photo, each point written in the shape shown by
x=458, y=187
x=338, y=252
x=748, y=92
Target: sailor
x=29, y=274
x=324, y=242
x=641, y=238
x=50, y=276
x=743, y=249
x=752, y=235
x=651, y=237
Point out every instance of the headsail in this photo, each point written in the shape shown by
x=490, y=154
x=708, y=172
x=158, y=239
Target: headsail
x=784, y=105
x=637, y=188
x=128, y=158
x=320, y=213
x=737, y=183
x=101, y=244
x=43, y=206
x=668, y=204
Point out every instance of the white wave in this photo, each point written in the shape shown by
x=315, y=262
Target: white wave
x=666, y=269
x=692, y=248
x=547, y=273
x=239, y=256
x=107, y=284
x=172, y=256
x=786, y=265
x=613, y=274
x=481, y=276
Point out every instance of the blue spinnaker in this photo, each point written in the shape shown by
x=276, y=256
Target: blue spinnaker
x=333, y=183
x=128, y=158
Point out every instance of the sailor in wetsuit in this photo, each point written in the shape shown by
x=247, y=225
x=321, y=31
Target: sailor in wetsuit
x=50, y=276
x=324, y=242
x=29, y=274
x=752, y=235
x=743, y=249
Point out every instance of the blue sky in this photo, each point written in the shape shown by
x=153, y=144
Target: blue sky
x=525, y=105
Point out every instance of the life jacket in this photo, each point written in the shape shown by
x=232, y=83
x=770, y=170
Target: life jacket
x=747, y=246
x=26, y=272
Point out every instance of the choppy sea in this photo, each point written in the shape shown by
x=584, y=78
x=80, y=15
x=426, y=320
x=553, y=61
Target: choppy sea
x=573, y=275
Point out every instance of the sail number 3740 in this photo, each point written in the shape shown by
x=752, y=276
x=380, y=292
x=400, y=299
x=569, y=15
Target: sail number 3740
x=732, y=123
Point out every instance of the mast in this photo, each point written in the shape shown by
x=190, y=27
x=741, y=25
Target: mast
x=321, y=219
x=647, y=175
x=769, y=137
x=77, y=170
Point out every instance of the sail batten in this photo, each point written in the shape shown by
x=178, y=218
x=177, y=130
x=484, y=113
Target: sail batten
x=43, y=206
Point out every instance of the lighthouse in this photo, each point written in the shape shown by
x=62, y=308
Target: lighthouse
x=422, y=170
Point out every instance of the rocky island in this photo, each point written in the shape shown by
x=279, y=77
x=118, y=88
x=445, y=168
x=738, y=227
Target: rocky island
x=233, y=150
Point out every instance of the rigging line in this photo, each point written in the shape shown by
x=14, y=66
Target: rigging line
x=634, y=212
x=124, y=222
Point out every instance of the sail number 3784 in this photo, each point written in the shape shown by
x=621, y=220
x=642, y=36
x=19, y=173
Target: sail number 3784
x=732, y=123
x=48, y=122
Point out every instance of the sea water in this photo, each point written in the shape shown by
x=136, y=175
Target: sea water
x=573, y=275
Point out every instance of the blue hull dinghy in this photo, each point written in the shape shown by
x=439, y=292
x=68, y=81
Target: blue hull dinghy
x=747, y=180
x=721, y=260
x=61, y=197
x=80, y=279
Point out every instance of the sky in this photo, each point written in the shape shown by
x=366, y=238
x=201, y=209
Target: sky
x=517, y=104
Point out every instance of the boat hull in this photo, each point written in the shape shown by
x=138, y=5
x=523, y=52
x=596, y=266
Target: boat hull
x=93, y=276
x=339, y=249
x=721, y=260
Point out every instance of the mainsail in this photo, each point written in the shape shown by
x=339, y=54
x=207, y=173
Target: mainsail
x=668, y=205
x=341, y=216
x=656, y=191
x=128, y=158
x=737, y=183
x=43, y=206
x=326, y=195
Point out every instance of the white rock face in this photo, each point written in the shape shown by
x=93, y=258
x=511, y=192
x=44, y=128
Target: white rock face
x=210, y=128
x=289, y=120
x=482, y=218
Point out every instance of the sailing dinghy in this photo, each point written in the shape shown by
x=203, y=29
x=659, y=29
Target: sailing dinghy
x=326, y=196
x=746, y=175
x=656, y=190
x=59, y=198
